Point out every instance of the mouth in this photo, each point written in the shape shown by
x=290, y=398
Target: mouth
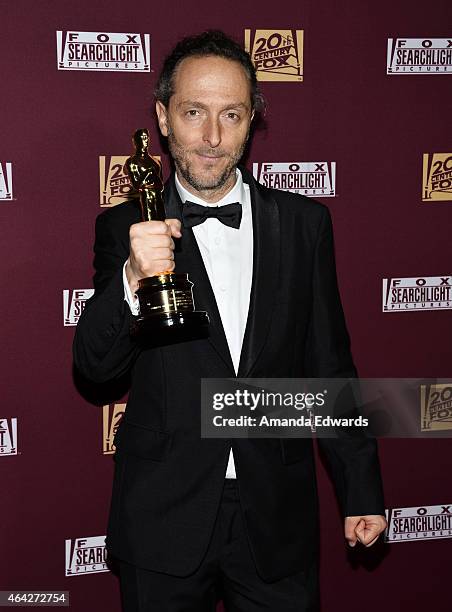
x=209, y=157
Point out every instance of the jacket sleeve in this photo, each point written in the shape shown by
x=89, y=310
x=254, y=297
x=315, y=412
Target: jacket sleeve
x=352, y=458
x=103, y=348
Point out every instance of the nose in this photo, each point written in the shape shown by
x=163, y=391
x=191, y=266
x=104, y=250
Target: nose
x=212, y=132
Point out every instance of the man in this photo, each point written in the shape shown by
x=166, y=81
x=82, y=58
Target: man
x=193, y=519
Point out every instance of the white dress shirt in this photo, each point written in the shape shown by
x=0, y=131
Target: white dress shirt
x=227, y=254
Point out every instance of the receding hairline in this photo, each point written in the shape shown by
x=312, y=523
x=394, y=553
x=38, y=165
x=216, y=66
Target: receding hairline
x=202, y=56
x=211, y=43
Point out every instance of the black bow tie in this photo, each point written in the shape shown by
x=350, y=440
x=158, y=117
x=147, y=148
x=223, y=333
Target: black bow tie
x=194, y=214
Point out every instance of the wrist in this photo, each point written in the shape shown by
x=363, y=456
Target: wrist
x=131, y=278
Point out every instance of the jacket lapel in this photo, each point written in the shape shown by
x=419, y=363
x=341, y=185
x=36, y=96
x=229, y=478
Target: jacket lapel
x=266, y=256
x=266, y=250
x=188, y=259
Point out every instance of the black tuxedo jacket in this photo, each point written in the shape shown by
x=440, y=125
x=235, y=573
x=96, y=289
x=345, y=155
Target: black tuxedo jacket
x=168, y=481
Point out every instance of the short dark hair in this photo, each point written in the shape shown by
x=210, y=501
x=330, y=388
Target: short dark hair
x=211, y=42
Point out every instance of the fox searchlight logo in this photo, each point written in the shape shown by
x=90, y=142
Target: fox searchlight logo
x=424, y=523
x=8, y=437
x=74, y=301
x=437, y=177
x=277, y=55
x=104, y=51
x=308, y=178
x=6, y=181
x=86, y=556
x=424, y=293
x=419, y=56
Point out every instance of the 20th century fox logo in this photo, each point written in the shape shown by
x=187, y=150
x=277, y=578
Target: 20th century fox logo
x=112, y=415
x=437, y=177
x=114, y=182
x=277, y=55
x=436, y=407
x=74, y=301
x=419, y=56
x=86, y=556
x=8, y=437
x=423, y=293
x=308, y=178
x=104, y=51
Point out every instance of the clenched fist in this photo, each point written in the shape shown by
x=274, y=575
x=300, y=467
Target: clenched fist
x=364, y=529
x=151, y=249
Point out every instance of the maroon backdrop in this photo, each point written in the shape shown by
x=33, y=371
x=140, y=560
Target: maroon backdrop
x=376, y=127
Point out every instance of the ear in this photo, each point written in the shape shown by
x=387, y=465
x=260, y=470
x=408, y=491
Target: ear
x=162, y=117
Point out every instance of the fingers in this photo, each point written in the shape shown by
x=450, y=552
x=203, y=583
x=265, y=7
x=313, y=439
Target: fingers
x=169, y=226
x=364, y=529
x=150, y=228
x=151, y=249
x=373, y=542
x=175, y=226
x=163, y=254
x=352, y=525
x=374, y=527
x=164, y=265
x=366, y=534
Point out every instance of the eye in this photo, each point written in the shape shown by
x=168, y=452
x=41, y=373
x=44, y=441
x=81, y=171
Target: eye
x=232, y=115
x=193, y=112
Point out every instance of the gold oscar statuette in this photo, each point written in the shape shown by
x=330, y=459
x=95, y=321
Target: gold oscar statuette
x=167, y=312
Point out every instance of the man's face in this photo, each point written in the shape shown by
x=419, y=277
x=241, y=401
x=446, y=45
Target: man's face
x=207, y=121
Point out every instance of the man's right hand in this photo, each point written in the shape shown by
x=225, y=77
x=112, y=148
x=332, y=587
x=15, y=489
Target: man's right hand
x=151, y=249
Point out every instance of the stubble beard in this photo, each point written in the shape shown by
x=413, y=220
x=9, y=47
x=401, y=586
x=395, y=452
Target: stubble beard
x=201, y=184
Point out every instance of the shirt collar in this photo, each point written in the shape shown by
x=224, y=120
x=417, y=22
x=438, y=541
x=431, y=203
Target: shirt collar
x=235, y=195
